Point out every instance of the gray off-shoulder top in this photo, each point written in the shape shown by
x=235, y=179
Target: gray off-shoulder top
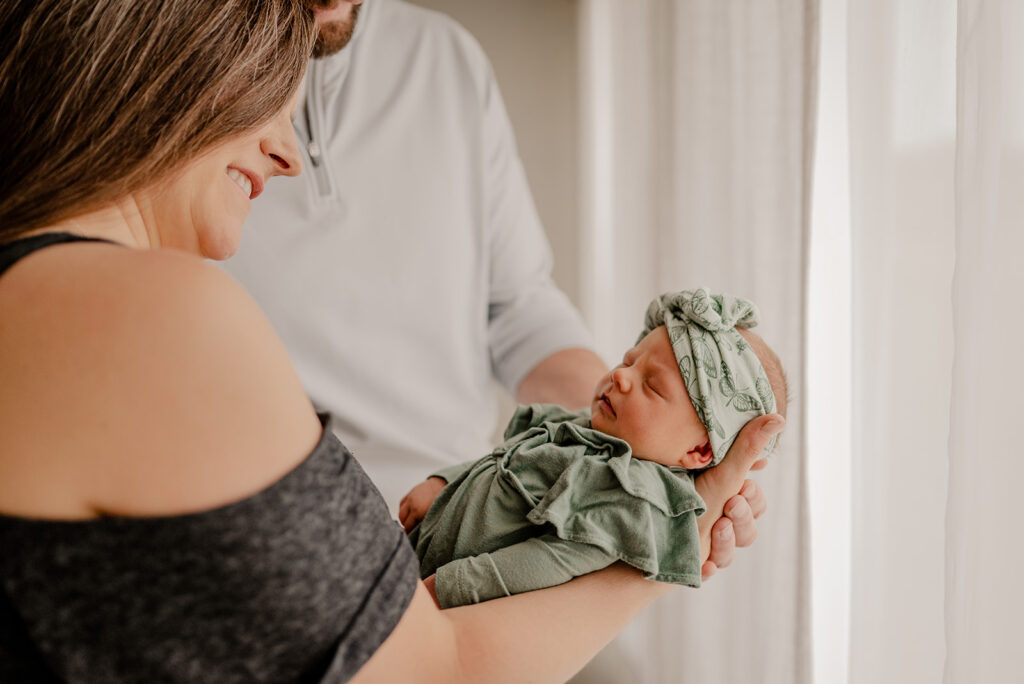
x=300, y=582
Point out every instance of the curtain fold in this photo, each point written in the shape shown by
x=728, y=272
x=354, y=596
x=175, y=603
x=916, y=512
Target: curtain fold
x=698, y=149
x=936, y=93
x=901, y=93
x=983, y=594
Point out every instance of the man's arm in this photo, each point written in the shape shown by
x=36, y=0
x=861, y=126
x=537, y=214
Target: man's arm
x=531, y=322
x=567, y=378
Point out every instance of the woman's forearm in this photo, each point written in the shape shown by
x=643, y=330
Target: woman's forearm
x=549, y=634
x=538, y=636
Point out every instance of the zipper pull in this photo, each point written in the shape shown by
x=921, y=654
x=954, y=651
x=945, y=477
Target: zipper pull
x=314, y=152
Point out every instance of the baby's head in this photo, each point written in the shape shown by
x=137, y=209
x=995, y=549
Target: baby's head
x=695, y=377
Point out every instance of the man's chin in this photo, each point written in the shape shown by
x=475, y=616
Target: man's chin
x=334, y=35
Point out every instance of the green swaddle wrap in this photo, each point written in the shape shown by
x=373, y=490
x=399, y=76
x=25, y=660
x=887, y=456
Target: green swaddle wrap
x=724, y=378
x=556, y=500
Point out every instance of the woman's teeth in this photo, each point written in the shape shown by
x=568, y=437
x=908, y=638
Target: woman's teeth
x=241, y=180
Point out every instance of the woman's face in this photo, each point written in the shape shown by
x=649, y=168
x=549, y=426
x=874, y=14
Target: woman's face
x=201, y=209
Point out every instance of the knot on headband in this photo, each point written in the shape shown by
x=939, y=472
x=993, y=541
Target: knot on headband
x=723, y=376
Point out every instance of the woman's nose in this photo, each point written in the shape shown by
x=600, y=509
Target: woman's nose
x=280, y=145
x=620, y=376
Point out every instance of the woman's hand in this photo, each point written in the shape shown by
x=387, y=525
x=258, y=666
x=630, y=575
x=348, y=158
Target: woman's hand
x=733, y=503
x=416, y=503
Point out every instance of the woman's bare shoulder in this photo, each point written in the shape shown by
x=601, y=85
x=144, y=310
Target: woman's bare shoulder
x=140, y=383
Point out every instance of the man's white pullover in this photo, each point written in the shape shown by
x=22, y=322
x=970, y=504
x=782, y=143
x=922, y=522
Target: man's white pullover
x=407, y=263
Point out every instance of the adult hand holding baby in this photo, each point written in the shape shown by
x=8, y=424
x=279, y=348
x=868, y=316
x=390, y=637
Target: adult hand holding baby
x=725, y=489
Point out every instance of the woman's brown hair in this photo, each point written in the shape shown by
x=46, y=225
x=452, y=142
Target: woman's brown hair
x=99, y=98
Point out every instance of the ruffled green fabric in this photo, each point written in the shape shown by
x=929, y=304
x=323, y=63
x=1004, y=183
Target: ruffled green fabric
x=555, y=477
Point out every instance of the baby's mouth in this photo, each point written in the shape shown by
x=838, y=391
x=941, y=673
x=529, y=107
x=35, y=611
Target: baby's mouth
x=606, y=405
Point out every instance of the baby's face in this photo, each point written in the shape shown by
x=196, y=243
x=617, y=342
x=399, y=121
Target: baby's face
x=644, y=402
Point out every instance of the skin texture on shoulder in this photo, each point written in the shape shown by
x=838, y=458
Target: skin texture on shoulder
x=140, y=383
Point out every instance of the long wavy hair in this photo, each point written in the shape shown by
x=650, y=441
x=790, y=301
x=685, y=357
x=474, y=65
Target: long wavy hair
x=99, y=98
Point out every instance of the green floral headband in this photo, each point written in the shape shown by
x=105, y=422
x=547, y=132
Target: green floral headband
x=725, y=379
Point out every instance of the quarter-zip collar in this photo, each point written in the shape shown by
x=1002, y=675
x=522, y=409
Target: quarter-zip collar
x=324, y=80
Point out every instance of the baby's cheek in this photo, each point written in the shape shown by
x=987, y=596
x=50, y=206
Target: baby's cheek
x=620, y=431
x=600, y=423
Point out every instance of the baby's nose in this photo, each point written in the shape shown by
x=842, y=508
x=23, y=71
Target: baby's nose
x=620, y=376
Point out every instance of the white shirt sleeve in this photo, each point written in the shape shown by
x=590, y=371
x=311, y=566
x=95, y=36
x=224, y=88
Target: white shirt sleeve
x=529, y=318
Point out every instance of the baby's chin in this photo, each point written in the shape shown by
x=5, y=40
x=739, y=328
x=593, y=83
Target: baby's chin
x=599, y=422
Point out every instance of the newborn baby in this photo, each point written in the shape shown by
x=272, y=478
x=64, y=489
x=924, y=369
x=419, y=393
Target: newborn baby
x=571, y=492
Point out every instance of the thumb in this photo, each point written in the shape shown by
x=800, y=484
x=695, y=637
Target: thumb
x=749, y=444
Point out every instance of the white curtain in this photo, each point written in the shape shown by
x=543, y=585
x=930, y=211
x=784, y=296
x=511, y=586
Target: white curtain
x=698, y=131
x=936, y=139
x=901, y=91
x=984, y=554
x=701, y=121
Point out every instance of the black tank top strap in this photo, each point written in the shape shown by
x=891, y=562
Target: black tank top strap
x=12, y=252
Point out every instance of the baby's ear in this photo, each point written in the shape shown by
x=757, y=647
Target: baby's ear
x=698, y=457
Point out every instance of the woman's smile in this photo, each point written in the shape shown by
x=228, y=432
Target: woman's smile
x=242, y=180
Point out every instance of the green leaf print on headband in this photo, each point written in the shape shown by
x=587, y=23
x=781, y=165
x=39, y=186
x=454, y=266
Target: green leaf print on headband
x=723, y=376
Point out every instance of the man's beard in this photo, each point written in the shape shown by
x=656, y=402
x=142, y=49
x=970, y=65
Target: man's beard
x=335, y=35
